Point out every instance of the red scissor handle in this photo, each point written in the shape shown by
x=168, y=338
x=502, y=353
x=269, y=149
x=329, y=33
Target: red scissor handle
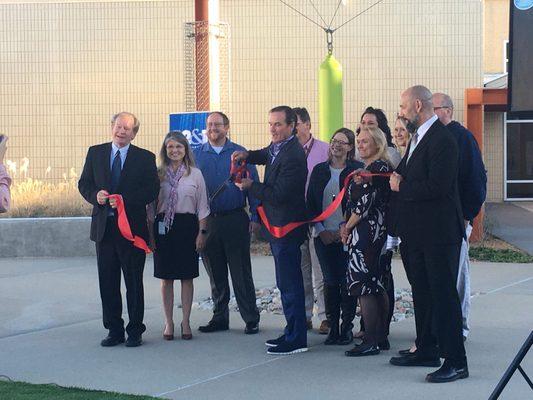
x=238, y=171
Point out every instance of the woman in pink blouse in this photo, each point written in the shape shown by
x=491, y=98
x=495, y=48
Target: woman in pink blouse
x=5, y=180
x=178, y=228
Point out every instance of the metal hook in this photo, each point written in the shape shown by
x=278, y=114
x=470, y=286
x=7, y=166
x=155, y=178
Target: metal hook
x=329, y=40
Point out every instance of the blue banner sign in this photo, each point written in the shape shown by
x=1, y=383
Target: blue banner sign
x=192, y=124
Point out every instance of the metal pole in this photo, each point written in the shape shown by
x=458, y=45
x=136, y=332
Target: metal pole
x=201, y=14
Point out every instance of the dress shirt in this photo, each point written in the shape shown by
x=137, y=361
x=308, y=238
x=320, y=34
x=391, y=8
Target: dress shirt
x=215, y=168
x=5, y=195
x=421, y=131
x=192, y=195
x=318, y=153
x=123, y=154
x=275, y=148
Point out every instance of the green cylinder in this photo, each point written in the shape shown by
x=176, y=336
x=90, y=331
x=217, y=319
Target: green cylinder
x=330, y=111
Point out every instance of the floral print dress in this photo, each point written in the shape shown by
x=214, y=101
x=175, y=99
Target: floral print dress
x=369, y=202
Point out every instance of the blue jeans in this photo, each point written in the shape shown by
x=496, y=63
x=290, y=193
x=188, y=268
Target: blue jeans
x=333, y=262
x=287, y=258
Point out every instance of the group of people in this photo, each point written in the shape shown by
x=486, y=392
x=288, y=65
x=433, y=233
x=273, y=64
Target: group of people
x=418, y=186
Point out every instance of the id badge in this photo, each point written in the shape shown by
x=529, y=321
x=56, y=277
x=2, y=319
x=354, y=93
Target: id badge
x=161, y=228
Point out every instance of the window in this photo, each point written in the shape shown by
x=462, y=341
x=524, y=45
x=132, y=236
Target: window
x=519, y=160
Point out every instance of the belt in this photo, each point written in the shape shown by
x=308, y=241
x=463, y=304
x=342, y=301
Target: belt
x=225, y=213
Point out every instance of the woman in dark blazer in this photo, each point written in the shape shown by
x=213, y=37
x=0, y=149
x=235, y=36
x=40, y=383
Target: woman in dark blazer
x=327, y=179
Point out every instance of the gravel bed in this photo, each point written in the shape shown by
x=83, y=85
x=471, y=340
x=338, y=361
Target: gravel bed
x=268, y=300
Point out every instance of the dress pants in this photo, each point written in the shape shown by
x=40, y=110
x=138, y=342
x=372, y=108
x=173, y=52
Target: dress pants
x=313, y=281
x=228, y=245
x=287, y=258
x=438, y=318
x=463, y=281
x=405, y=262
x=115, y=254
x=333, y=261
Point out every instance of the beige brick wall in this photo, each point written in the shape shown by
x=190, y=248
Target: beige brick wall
x=394, y=45
x=493, y=154
x=495, y=32
x=65, y=67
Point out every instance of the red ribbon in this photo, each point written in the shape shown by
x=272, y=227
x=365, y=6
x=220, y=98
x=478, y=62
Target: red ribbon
x=124, y=225
x=366, y=174
x=280, y=231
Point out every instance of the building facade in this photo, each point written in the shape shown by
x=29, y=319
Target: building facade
x=67, y=66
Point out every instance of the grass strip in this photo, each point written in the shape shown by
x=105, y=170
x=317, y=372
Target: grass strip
x=499, y=255
x=28, y=391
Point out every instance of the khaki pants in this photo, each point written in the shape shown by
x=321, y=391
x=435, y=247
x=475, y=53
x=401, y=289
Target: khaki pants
x=313, y=281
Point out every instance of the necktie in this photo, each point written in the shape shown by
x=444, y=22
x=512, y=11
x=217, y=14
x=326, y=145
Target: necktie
x=414, y=141
x=115, y=172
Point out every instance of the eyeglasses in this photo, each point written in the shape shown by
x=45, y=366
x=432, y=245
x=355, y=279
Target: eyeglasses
x=336, y=142
x=215, y=125
x=439, y=108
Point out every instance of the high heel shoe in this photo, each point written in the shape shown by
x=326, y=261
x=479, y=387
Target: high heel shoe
x=185, y=336
x=168, y=336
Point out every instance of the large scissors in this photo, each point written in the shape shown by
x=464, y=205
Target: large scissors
x=237, y=172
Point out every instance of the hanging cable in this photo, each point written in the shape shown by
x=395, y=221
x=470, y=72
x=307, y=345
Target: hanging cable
x=355, y=16
x=313, y=4
x=327, y=28
x=334, y=14
x=303, y=15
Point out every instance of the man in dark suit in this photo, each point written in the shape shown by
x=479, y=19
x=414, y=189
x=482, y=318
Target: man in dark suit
x=430, y=225
x=120, y=168
x=283, y=197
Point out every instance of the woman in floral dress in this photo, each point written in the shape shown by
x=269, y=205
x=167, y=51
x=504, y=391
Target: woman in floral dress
x=366, y=236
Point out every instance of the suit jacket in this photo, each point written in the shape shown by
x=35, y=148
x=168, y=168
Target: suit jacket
x=282, y=192
x=138, y=185
x=428, y=205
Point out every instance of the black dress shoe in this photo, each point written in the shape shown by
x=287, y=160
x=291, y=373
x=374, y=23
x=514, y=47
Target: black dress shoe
x=134, y=341
x=448, y=373
x=213, y=326
x=111, y=341
x=405, y=352
x=362, y=350
x=251, y=328
x=415, y=360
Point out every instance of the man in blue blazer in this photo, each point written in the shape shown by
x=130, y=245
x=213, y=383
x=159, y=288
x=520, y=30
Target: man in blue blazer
x=120, y=168
x=282, y=195
x=430, y=225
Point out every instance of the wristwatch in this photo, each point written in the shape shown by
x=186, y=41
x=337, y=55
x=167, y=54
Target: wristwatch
x=203, y=231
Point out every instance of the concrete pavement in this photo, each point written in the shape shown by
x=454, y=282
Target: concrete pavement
x=50, y=329
x=512, y=222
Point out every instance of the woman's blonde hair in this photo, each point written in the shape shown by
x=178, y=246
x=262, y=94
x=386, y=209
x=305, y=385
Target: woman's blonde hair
x=188, y=160
x=401, y=149
x=380, y=140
